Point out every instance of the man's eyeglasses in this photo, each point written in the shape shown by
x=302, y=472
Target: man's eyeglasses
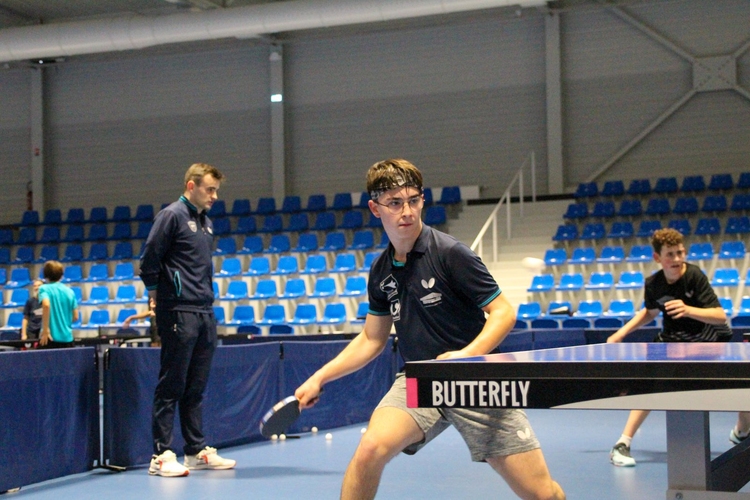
x=396, y=205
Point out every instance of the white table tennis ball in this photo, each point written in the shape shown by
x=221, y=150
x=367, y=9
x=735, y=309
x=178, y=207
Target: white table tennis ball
x=533, y=264
x=282, y=437
x=329, y=436
x=274, y=437
x=363, y=430
x=314, y=429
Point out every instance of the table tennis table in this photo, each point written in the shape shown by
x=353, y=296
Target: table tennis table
x=687, y=380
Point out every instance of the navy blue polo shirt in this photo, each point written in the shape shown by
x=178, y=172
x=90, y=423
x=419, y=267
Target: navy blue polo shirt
x=435, y=298
x=176, y=260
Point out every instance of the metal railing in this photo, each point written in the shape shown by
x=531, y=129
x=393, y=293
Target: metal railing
x=492, y=221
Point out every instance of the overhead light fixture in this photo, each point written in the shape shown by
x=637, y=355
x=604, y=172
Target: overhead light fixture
x=276, y=98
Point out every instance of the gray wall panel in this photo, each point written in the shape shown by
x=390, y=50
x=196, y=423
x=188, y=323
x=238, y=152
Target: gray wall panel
x=15, y=162
x=465, y=103
x=118, y=126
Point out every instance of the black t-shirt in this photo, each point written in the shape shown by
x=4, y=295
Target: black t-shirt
x=694, y=290
x=32, y=311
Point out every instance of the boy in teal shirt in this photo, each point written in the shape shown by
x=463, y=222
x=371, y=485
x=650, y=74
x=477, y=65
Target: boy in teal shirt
x=59, y=308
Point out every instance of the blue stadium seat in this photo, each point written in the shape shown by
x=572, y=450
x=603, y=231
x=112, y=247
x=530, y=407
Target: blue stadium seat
x=608, y=323
x=125, y=294
x=333, y=314
x=143, y=229
x=334, y=242
x=324, y=287
x=726, y=276
x=98, y=215
x=693, y=184
x=593, y=231
x=737, y=225
x=450, y=195
x=97, y=272
x=700, y=251
x=222, y=226
x=294, y=289
x=589, y=308
x=122, y=231
x=586, y=190
x=384, y=241
x=686, y=205
x=612, y=254
x=629, y=280
x=714, y=204
x=266, y=206
x=24, y=255
x=73, y=253
x=558, y=308
x=98, y=317
x=316, y=203
x=352, y=220
x=279, y=243
x=708, y=227
x=220, y=315
x=681, y=225
x=304, y=314
x=259, y=266
x=236, y=290
x=272, y=224
x=246, y=225
x=121, y=214
x=435, y=215
x=600, y=281
x=280, y=329
x=368, y=260
x=603, y=210
x=240, y=207
x=230, y=267
x=72, y=274
x=740, y=203
x=226, y=246
x=75, y=216
x=583, y=255
x=555, y=257
x=298, y=222
x=363, y=240
x=48, y=252
x=743, y=182
x=744, y=309
x=264, y=290
x=14, y=322
x=124, y=314
x=374, y=222
x=144, y=212
x=355, y=286
x=542, y=283
x=342, y=202
x=218, y=209
x=97, y=295
x=19, y=278
x=361, y=314
x=306, y=243
x=621, y=229
x=666, y=185
x=529, y=310
x=273, y=314
x=324, y=221
x=291, y=204
x=6, y=236
x=50, y=234
x=630, y=208
x=613, y=189
x=30, y=218
x=344, y=263
x=639, y=187
x=251, y=245
x=570, y=282
x=52, y=216
x=18, y=298
x=124, y=271
x=98, y=251
x=97, y=232
x=721, y=182
x=576, y=211
x=27, y=236
x=658, y=207
x=244, y=314
x=315, y=264
x=566, y=232
x=647, y=228
x=726, y=304
x=732, y=250
x=288, y=264
x=621, y=308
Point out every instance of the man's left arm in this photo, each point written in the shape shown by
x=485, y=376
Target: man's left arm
x=501, y=318
x=712, y=315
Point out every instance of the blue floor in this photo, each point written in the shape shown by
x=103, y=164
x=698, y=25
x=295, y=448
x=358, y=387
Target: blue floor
x=575, y=443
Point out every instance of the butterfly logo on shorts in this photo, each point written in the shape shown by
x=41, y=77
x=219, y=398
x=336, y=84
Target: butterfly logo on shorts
x=524, y=434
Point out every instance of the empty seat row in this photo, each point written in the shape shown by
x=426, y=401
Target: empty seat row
x=75, y=233
x=289, y=264
x=122, y=213
x=305, y=314
x=659, y=207
x=624, y=229
x=663, y=185
x=73, y=253
x=21, y=276
x=334, y=241
x=294, y=289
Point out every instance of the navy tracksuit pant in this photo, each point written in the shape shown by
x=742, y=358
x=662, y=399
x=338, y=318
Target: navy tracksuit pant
x=188, y=341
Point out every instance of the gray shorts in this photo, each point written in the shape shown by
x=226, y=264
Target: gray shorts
x=487, y=433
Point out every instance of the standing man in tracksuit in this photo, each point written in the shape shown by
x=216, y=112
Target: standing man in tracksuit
x=177, y=272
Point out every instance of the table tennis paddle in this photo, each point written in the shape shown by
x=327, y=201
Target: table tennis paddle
x=279, y=418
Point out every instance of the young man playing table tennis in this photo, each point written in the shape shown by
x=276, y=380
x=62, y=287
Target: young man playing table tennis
x=436, y=291
x=692, y=313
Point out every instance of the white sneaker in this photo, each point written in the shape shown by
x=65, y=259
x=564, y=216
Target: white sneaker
x=620, y=456
x=167, y=465
x=207, y=458
x=736, y=438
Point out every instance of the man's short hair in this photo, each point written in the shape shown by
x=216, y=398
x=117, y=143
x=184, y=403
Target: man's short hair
x=390, y=174
x=53, y=271
x=197, y=171
x=665, y=237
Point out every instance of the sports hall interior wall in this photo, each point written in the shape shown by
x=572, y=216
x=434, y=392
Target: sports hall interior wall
x=463, y=97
